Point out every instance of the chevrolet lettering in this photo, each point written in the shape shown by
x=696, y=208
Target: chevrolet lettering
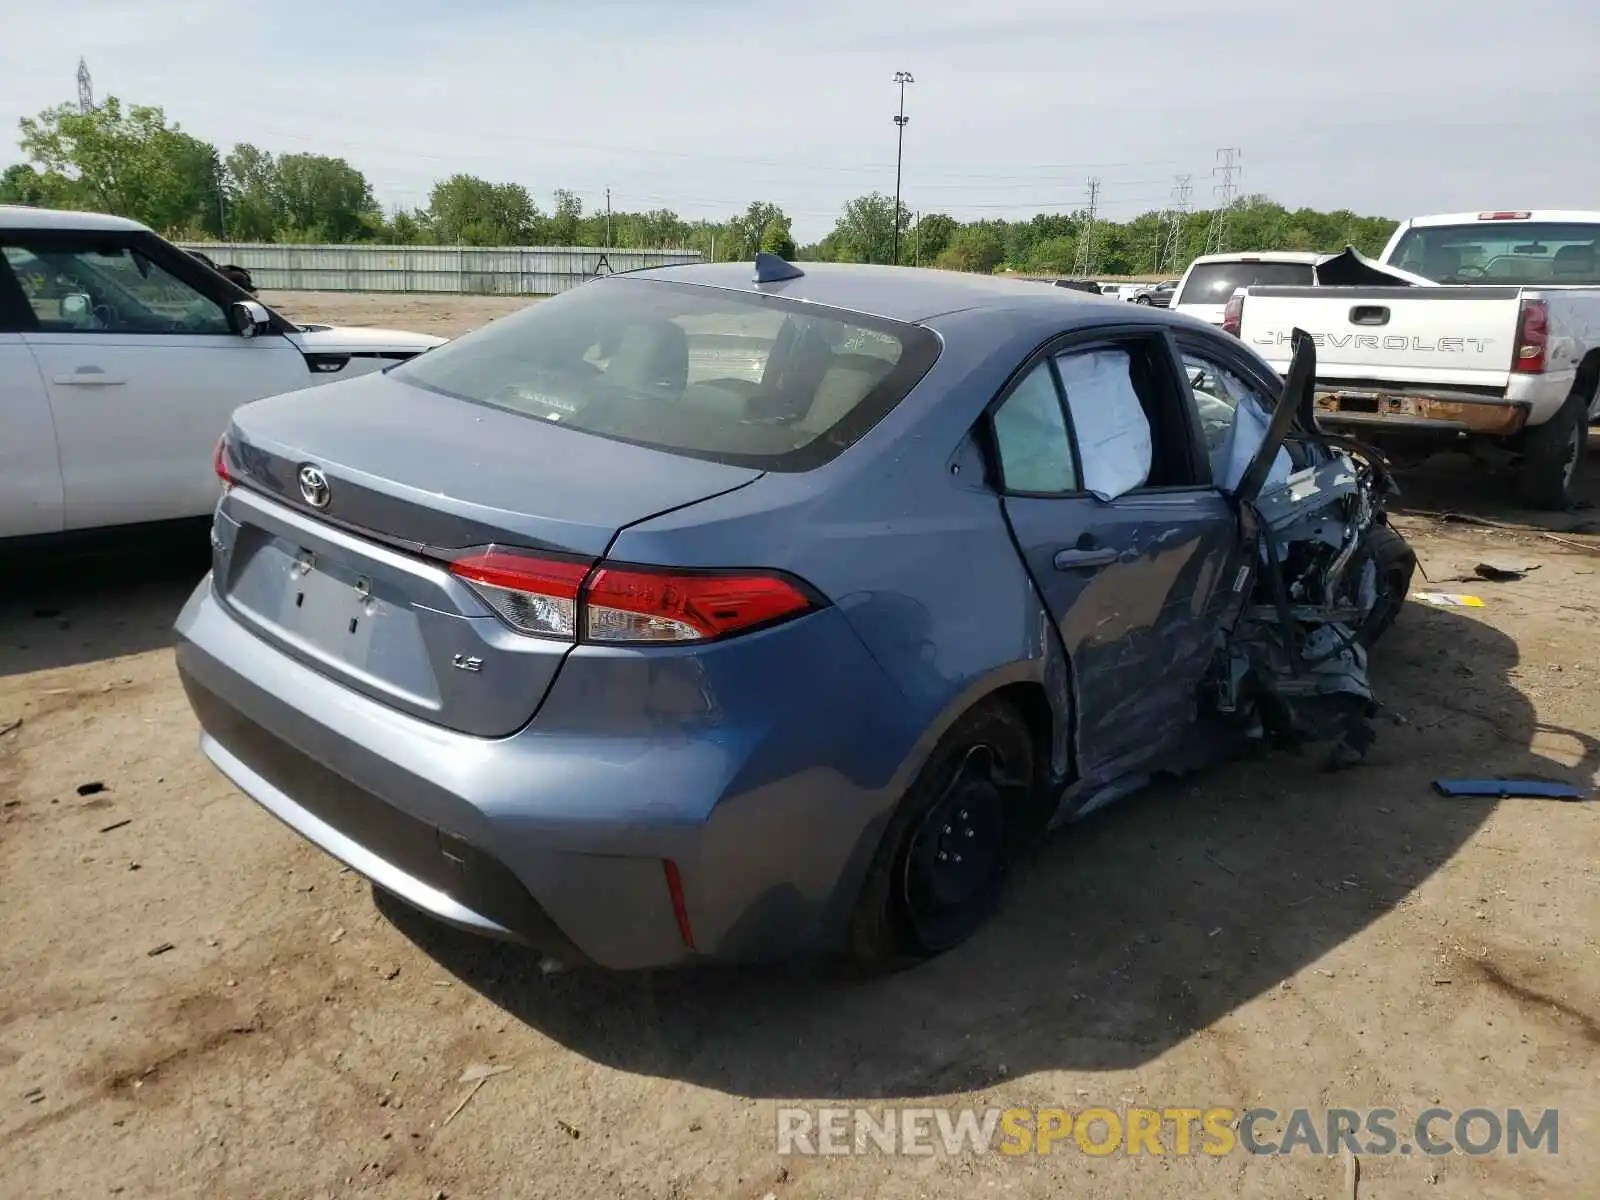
x=1368, y=341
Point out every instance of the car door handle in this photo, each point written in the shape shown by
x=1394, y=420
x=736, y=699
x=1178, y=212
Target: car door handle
x=1072, y=560
x=89, y=377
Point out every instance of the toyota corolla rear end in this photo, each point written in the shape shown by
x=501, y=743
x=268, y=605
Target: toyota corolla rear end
x=415, y=649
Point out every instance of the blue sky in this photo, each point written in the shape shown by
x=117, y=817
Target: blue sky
x=1397, y=107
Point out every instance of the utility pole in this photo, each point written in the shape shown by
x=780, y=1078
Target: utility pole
x=1084, y=267
x=85, y=88
x=608, y=218
x=916, y=242
x=1229, y=163
x=902, y=78
x=1171, y=239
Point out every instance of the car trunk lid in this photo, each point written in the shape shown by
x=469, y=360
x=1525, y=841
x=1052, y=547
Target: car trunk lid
x=324, y=551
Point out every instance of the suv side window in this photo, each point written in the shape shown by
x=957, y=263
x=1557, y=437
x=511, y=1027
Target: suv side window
x=101, y=287
x=1031, y=438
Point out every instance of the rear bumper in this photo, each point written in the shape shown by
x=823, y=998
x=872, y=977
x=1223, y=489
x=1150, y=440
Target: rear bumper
x=557, y=836
x=1406, y=412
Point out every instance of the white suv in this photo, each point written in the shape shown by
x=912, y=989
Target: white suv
x=122, y=359
x=1212, y=279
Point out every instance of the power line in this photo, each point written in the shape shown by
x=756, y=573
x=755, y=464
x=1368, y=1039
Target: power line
x=1084, y=267
x=1229, y=162
x=1023, y=171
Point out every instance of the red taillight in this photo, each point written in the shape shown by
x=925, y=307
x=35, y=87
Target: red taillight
x=624, y=604
x=1233, y=315
x=562, y=598
x=1533, y=336
x=219, y=462
x=1504, y=216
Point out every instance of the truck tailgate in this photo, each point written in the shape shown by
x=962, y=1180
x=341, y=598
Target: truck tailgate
x=1441, y=336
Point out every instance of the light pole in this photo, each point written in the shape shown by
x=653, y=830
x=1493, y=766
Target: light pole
x=902, y=78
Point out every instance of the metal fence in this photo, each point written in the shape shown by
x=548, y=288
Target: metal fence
x=477, y=270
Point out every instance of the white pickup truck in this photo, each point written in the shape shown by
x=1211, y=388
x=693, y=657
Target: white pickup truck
x=1475, y=329
x=122, y=359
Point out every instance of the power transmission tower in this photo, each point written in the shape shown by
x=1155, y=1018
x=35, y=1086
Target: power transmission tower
x=85, y=88
x=1170, y=240
x=1085, y=264
x=1228, y=164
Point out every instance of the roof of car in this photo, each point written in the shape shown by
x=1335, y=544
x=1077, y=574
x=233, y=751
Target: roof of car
x=18, y=216
x=1565, y=216
x=899, y=293
x=1288, y=256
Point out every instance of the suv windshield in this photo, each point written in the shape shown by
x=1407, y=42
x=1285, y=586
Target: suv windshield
x=723, y=375
x=1511, y=252
x=1214, y=283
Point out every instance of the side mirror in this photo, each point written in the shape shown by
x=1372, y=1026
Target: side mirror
x=76, y=306
x=248, y=318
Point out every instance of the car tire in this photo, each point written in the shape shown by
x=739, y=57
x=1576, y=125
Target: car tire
x=1553, y=455
x=1141, y=299
x=942, y=863
x=1396, y=562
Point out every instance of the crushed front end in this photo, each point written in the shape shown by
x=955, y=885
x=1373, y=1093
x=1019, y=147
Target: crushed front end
x=1322, y=575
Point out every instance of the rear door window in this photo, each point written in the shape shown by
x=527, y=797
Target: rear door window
x=729, y=376
x=1031, y=438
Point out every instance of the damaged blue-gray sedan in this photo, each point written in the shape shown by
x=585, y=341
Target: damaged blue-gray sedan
x=708, y=613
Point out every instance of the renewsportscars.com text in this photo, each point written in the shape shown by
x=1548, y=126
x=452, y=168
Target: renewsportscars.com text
x=1216, y=1131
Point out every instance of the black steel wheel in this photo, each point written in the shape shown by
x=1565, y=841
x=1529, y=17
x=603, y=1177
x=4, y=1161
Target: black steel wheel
x=944, y=858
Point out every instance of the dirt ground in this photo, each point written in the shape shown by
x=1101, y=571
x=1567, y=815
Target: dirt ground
x=447, y=316
x=196, y=1003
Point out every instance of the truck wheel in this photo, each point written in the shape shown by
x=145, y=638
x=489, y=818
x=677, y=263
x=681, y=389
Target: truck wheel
x=1552, y=457
x=1395, y=562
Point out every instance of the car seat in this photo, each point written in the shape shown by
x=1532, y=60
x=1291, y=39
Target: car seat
x=651, y=358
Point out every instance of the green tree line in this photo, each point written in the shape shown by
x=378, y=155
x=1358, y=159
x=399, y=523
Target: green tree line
x=129, y=160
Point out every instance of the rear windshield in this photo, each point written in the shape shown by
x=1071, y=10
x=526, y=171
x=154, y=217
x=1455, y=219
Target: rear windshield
x=1511, y=252
x=728, y=376
x=1214, y=283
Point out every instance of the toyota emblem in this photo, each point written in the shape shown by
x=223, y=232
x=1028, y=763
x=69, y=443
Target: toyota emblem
x=314, y=486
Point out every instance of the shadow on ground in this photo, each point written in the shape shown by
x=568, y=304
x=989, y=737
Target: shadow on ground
x=1128, y=934
x=102, y=599
x=1457, y=485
